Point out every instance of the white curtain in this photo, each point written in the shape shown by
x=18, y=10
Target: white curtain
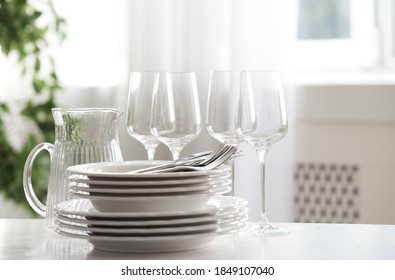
x=207, y=35
x=108, y=39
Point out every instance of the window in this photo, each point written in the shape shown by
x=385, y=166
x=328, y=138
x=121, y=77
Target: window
x=93, y=55
x=336, y=35
x=386, y=21
x=324, y=19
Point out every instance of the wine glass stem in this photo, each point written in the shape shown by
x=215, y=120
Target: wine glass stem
x=151, y=153
x=232, y=170
x=262, y=159
x=176, y=152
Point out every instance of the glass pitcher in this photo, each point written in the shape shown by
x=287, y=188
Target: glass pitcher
x=81, y=136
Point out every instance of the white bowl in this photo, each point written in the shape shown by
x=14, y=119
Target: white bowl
x=123, y=170
x=124, y=203
x=216, y=206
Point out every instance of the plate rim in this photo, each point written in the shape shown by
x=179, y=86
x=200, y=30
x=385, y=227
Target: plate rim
x=76, y=169
x=214, y=205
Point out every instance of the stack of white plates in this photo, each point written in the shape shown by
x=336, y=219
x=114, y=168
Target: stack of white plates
x=118, y=210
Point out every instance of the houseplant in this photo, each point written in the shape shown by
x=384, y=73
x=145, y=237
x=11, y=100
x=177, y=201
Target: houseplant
x=25, y=28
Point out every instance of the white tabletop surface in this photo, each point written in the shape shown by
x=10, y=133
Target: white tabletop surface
x=23, y=239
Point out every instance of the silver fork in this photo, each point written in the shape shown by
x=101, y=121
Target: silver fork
x=205, y=165
x=218, y=151
x=194, y=160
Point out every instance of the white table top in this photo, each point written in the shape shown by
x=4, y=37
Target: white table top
x=23, y=239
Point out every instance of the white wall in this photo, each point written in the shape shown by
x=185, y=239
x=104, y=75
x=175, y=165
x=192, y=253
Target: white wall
x=352, y=124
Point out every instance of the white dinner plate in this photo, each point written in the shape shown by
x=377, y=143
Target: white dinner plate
x=162, y=182
x=83, y=221
x=215, y=205
x=149, y=231
x=132, y=197
x=148, y=190
x=123, y=170
x=135, y=190
x=148, y=244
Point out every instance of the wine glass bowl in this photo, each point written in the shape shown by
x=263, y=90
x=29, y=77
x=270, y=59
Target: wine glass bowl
x=139, y=110
x=175, y=114
x=262, y=121
x=222, y=106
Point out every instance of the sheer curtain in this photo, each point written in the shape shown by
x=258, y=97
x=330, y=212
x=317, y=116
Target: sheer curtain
x=108, y=39
x=205, y=35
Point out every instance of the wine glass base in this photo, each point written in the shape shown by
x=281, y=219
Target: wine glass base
x=265, y=229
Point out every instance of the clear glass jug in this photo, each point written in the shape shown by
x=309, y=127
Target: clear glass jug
x=81, y=136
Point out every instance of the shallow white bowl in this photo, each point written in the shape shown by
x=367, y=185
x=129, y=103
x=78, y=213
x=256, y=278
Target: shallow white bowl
x=123, y=203
x=123, y=170
x=83, y=209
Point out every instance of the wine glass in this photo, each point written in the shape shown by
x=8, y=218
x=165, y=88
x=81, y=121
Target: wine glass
x=139, y=104
x=262, y=121
x=175, y=118
x=222, y=105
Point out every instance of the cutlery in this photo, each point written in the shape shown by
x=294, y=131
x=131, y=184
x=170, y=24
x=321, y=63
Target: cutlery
x=203, y=159
x=207, y=164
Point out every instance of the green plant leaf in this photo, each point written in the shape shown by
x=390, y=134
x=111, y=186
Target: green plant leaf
x=22, y=33
x=37, y=65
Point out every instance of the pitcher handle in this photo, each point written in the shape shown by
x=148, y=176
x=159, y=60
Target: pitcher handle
x=31, y=196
